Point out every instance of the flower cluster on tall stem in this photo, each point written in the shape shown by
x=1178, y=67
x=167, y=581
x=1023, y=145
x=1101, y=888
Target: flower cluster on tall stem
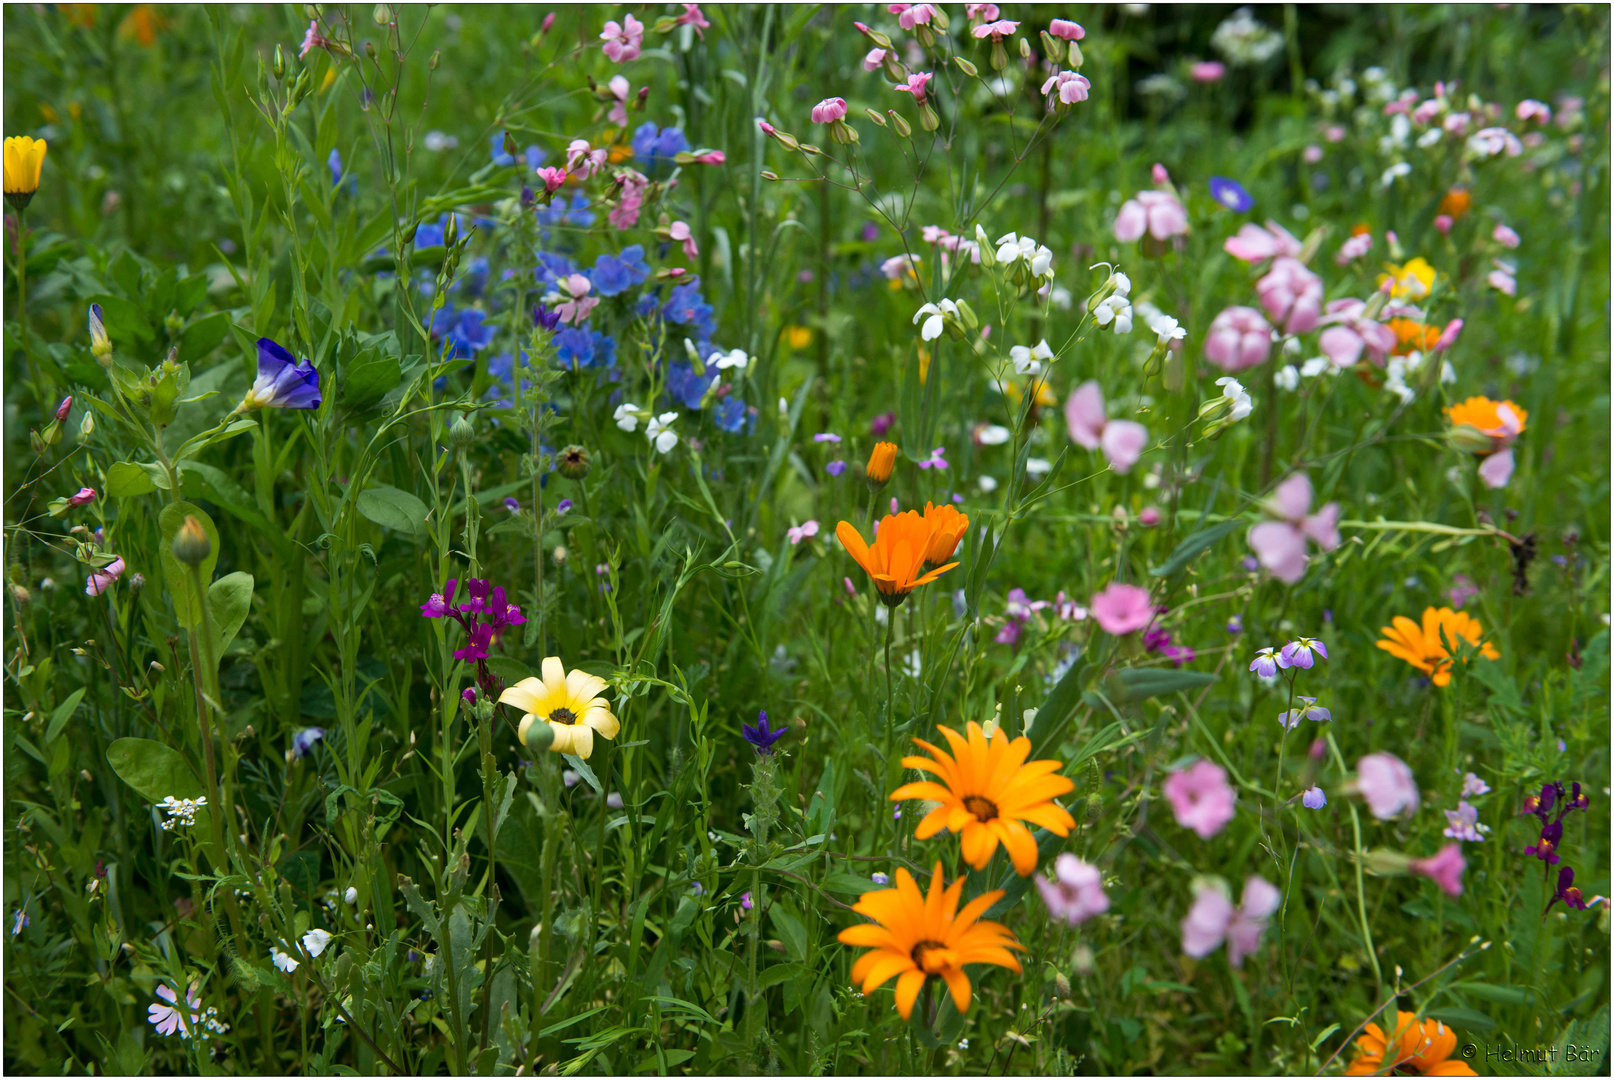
x=485, y=615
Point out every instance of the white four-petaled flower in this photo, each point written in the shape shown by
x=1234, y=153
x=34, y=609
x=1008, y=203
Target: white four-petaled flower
x=659, y=431
x=626, y=416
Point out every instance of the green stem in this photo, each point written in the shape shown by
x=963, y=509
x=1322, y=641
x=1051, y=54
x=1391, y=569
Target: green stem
x=1361, y=889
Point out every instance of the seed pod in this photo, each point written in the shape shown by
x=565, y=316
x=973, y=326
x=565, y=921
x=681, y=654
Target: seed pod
x=370, y=50
x=899, y=123
x=279, y=66
x=574, y=462
x=461, y=434
x=876, y=117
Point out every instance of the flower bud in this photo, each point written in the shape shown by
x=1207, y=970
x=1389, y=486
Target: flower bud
x=1061, y=985
x=437, y=58
x=966, y=67
x=137, y=582
x=536, y=734
x=279, y=66
x=1075, y=55
x=1385, y=863
x=451, y=234
x=191, y=545
x=574, y=462
x=370, y=50
x=409, y=233
x=928, y=118
x=882, y=459
x=381, y=15
x=875, y=117
x=461, y=434
x=899, y=123
x=1467, y=439
x=559, y=554
x=100, y=343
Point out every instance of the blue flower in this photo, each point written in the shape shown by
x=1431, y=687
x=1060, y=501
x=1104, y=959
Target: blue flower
x=633, y=258
x=469, y=336
x=1314, y=798
x=610, y=275
x=761, y=736
x=1230, y=194
x=496, y=144
x=687, y=387
x=655, y=148
x=428, y=236
x=553, y=267
x=335, y=162
x=687, y=307
x=535, y=157
x=574, y=347
x=304, y=740
x=561, y=213
x=648, y=303
x=283, y=382
x=730, y=415
x=604, y=349
x=476, y=276
x=442, y=321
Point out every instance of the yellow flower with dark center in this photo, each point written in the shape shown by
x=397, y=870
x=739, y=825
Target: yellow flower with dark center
x=1420, y=1049
x=24, y=161
x=1422, y=647
x=568, y=702
x=915, y=937
x=1413, y=280
x=987, y=792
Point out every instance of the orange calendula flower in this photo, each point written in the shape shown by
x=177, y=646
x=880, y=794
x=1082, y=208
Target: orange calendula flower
x=915, y=937
x=987, y=792
x=1423, y=647
x=1361, y=228
x=882, y=459
x=799, y=336
x=1455, y=203
x=950, y=527
x=143, y=23
x=896, y=561
x=1420, y=1049
x=1498, y=419
x=1413, y=336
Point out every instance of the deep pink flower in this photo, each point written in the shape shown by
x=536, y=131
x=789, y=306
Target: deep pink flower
x=1448, y=336
x=1207, y=71
x=1238, y=338
x=1445, y=868
x=101, y=580
x=1387, y=783
x=1201, y=798
x=1291, y=295
x=1063, y=29
x=711, y=157
x=1350, y=333
x=1255, y=244
x=1076, y=892
x=1121, y=609
x=82, y=496
x=625, y=214
x=874, y=60
x=692, y=17
x=623, y=41
x=1159, y=213
x=829, y=110
x=553, y=178
x=679, y=230
x=1280, y=545
x=1122, y=441
x=916, y=86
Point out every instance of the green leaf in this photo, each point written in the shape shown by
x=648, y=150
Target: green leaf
x=1194, y=545
x=228, y=601
x=1467, y=1019
x=154, y=770
x=203, y=336
x=581, y=768
x=127, y=478
x=187, y=598
x=1136, y=684
x=64, y=713
x=393, y=509
x=368, y=378
x=1501, y=993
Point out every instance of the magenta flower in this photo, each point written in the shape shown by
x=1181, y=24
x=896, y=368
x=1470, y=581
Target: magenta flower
x=101, y=580
x=1076, y=892
x=1256, y=244
x=1121, y=609
x=623, y=41
x=1065, y=30
x=1159, y=213
x=1568, y=893
x=997, y=30
x=1280, y=545
x=440, y=604
x=934, y=461
x=692, y=16
x=1387, y=783
x=1238, y=338
x=1350, y=332
x=1122, y=441
x=1068, y=86
x=874, y=60
x=916, y=85
x=552, y=178
x=1291, y=295
x=829, y=110
x=1445, y=868
x=82, y=496
x=625, y=214
x=1201, y=798
x=1207, y=71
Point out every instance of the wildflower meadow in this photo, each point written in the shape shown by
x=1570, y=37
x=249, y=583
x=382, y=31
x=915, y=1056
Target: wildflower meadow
x=927, y=539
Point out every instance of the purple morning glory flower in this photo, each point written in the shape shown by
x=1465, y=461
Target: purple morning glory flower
x=1230, y=194
x=1314, y=799
x=304, y=740
x=835, y=468
x=283, y=382
x=564, y=506
x=1265, y=663
x=760, y=735
x=1298, y=653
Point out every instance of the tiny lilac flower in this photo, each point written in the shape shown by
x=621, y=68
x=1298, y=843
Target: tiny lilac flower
x=1298, y=653
x=1473, y=785
x=935, y=460
x=806, y=530
x=1235, y=625
x=879, y=878
x=1201, y=798
x=826, y=436
x=512, y=504
x=1265, y=663
x=1463, y=823
x=304, y=740
x=745, y=901
x=1314, y=798
x=563, y=507
x=1309, y=711
x=835, y=468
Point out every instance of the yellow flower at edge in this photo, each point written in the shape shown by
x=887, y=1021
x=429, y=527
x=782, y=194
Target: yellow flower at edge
x=1419, y=1048
x=567, y=701
x=915, y=937
x=1422, y=647
x=987, y=791
x=799, y=336
x=24, y=161
x=1413, y=280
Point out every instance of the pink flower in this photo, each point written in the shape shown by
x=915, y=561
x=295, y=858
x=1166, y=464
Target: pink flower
x=997, y=30
x=1159, y=175
x=1076, y=892
x=1448, y=336
x=620, y=88
x=82, y=496
x=1350, y=332
x=1157, y=212
x=625, y=214
x=1497, y=469
x=578, y=303
x=1502, y=279
x=1260, y=900
x=101, y=580
x=623, y=41
x=679, y=230
x=1122, y=441
x=1505, y=236
x=829, y=110
x=912, y=15
x=1207, y=71
x=1354, y=248
x=1387, y=784
x=1443, y=224
x=710, y=157
x=1531, y=109
x=916, y=86
x=1071, y=87
x=552, y=178
x=1445, y=868
x=1312, y=154
x=1207, y=921
x=1063, y=29
x=1334, y=133
x=692, y=17
x=874, y=60
x=798, y=533
x=989, y=12
x=1280, y=545
x=1238, y=338
x=1121, y=609
x=583, y=159
x=1255, y=244
x=173, y=1016
x=1488, y=142
x=1292, y=295
x=1201, y=798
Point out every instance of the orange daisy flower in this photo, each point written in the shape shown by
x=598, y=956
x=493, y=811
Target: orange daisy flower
x=1490, y=417
x=896, y=560
x=1455, y=203
x=987, y=791
x=914, y=937
x=950, y=526
x=1422, y=647
x=1420, y=1049
x=1413, y=336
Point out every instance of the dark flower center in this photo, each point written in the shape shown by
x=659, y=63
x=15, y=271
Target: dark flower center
x=563, y=716
x=919, y=951
x=983, y=808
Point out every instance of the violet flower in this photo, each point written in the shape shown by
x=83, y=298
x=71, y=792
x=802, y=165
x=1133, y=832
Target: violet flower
x=1231, y=194
x=1463, y=823
x=1567, y=892
x=1265, y=664
x=283, y=381
x=760, y=736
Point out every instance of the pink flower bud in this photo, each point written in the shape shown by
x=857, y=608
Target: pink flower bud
x=548, y=23
x=1161, y=176
x=829, y=110
x=62, y=409
x=1443, y=223
x=1065, y=30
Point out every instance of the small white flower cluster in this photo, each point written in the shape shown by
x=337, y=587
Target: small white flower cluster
x=1245, y=40
x=955, y=317
x=658, y=429
x=1024, y=260
x=1115, y=310
x=1399, y=367
x=181, y=811
x=1223, y=412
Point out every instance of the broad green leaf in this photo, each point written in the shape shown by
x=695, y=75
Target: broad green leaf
x=393, y=509
x=125, y=479
x=154, y=770
x=62, y=714
x=1467, y=1019
x=368, y=378
x=1136, y=684
x=228, y=601
x=203, y=336
x=187, y=598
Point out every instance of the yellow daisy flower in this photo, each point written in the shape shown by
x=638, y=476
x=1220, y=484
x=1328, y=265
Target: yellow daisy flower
x=567, y=701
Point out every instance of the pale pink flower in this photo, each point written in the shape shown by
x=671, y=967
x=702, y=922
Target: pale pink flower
x=620, y=88
x=692, y=16
x=1456, y=124
x=1353, y=248
x=1291, y=295
x=1350, y=333
x=101, y=580
x=1121, y=609
x=829, y=110
x=1159, y=175
x=1063, y=29
x=1071, y=87
x=1122, y=441
x=583, y=159
x=1207, y=71
x=1076, y=892
x=1502, y=279
x=1505, y=236
x=576, y=305
x=1387, y=784
x=1201, y=798
x=1427, y=111
x=912, y=15
x=1260, y=900
x=623, y=41
x=874, y=60
x=1531, y=109
x=679, y=231
x=1255, y=244
x=1205, y=926
x=1159, y=213
x=1445, y=868
x=625, y=214
x=989, y=12
x=1312, y=154
x=1334, y=133
x=552, y=178
x=710, y=157
x=1488, y=142
x=997, y=30
x=1448, y=336
x=804, y=531
x=1238, y=338
x=1280, y=545
x=173, y=1016
x=916, y=86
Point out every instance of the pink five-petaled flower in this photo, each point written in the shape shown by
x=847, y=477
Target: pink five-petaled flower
x=916, y=86
x=1068, y=86
x=1213, y=919
x=553, y=178
x=1065, y=30
x=1121, y=609
x=1261, y=898
x=1076, y=892
x=996, y=30
x=679, y=230
x=829, y=110
x=1256, y=244
x=1122, y=441
x=798, y=533
x=174, y=1017
x=1291, y=295
x=624, y=40
x=1159, y=213
x=1445, y=868
x=692, y=16
x=1387, y=783
x=101, y=580
x=583, y=159
x=1238, y=338
x=82, y=496
x=1201, y=798
x=1280, y=545
x=1351, y=332
x=577, y=303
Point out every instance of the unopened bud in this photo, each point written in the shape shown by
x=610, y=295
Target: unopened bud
x=191, y=545
x=370, y=50
x=279, y=65
x=902, y=127
x=437, y=58
x=64, y=408
x=574, y=462
x=560, y=554
x=451, y=234
x=1061, y=985
x=876, y=117
x=1075, y=55
x=461, y=434
x=966, y=67
x=1467, y=439
x=381, y=15
x=86, y=426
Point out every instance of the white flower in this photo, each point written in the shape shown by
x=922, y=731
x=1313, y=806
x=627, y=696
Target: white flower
x=1394, y=172
x=1060, y=297
x=1491, y=141
x=1028, y=361
x=626, y=416
x=1237, y=399
x=939, y=314
x=1038, y=466
x=1013, y=249
x=660, y=432
x=1122, y=283
x=1245, y=40
x=734, y=358
x=1114, y=309
x=352, y=895
x=1167, y=329
x=1316, y=366
x=436, y=141
x=1286, y=377
x=314, y=941
x=784, y=407
x=1429, y=138
x=283, y=961
x=986, y=484
x=992, y=434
